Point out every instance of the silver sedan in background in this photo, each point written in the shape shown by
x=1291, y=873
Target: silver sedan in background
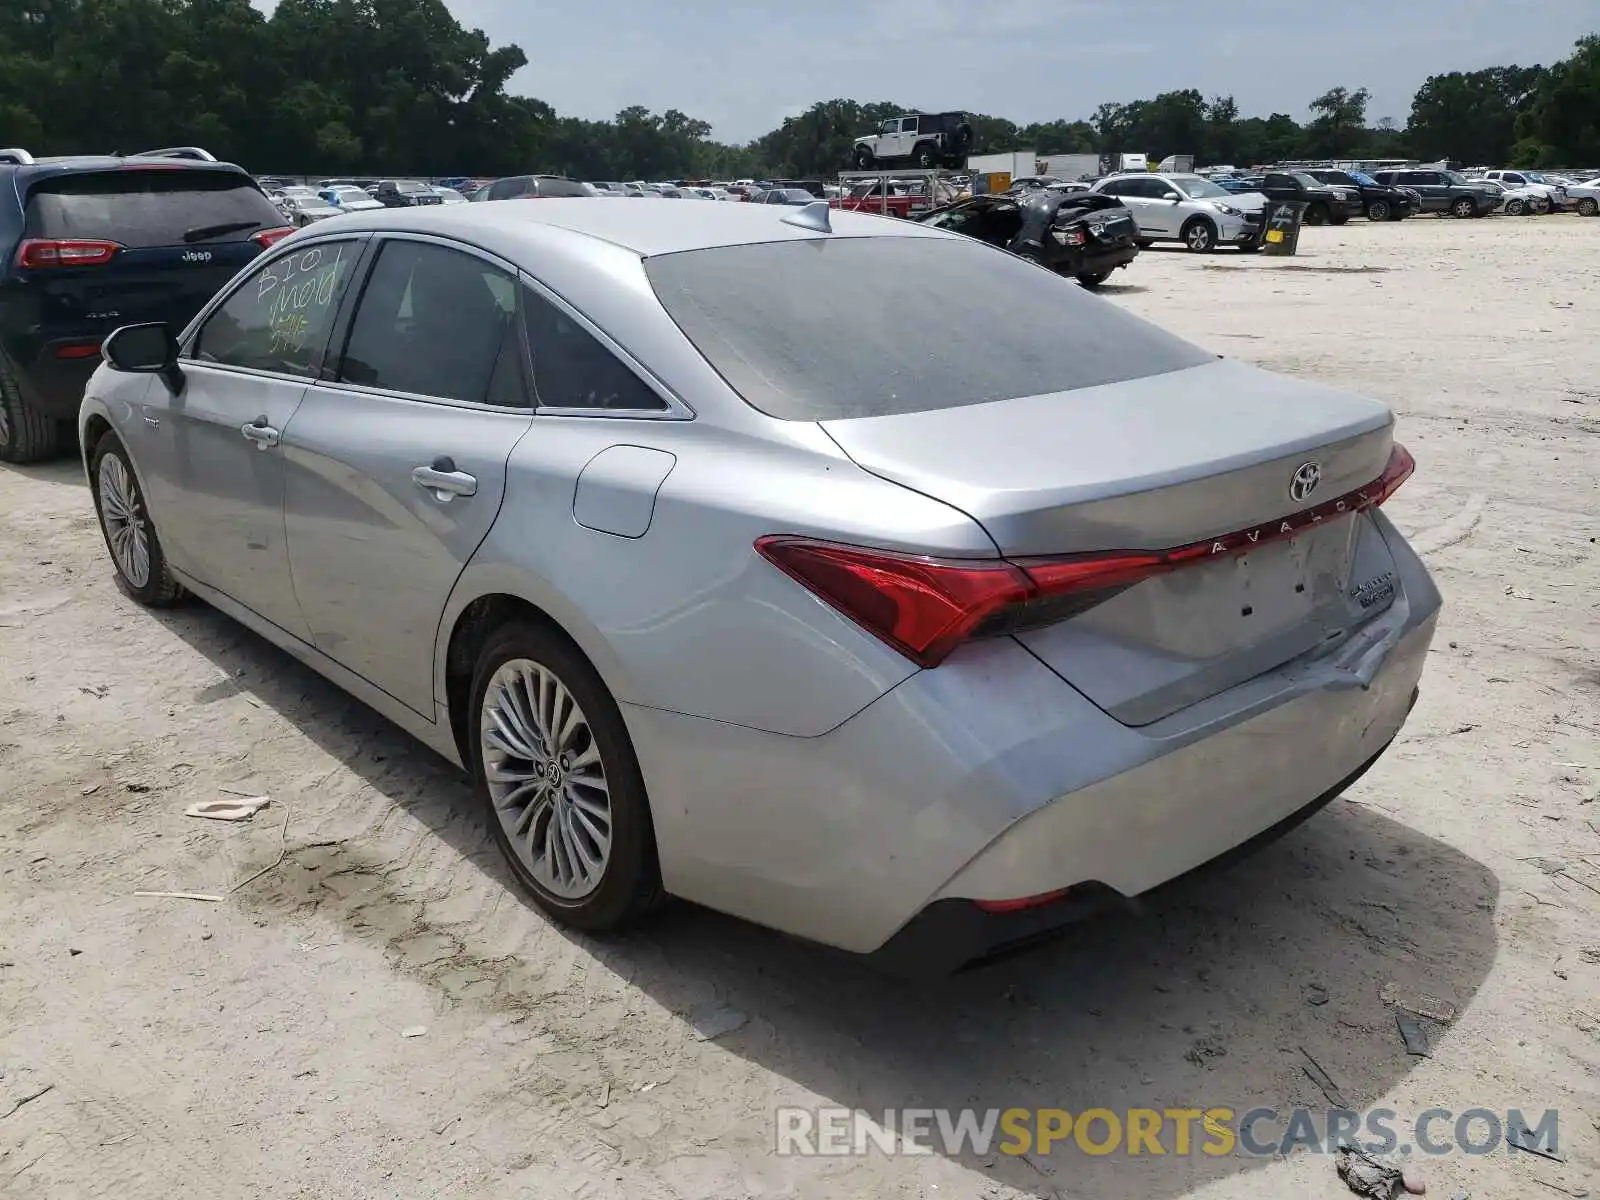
x=914, y=628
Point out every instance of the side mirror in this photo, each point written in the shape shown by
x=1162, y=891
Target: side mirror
x=148, y=350
x=1173, y=196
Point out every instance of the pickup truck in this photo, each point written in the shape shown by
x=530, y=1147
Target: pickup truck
x=1325, y=204
x=888, y=198
x=1381, y=203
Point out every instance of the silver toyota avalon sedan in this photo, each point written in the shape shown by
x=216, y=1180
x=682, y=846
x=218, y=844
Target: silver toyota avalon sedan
x=833, y=571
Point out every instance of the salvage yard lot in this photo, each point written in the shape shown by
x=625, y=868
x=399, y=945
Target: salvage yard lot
x=269, y=1044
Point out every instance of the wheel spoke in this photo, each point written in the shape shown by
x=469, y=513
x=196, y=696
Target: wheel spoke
x=513, y=740
x=530, y=815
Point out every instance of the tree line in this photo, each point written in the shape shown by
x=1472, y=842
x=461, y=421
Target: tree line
x=399, y=86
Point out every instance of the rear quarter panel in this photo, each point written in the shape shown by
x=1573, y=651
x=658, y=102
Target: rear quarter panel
x=687, y=617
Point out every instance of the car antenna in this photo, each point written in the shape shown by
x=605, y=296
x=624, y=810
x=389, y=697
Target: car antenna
x=813, y=216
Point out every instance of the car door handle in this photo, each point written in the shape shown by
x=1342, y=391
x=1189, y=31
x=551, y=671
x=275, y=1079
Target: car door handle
x=262, y=434
x=444, y=481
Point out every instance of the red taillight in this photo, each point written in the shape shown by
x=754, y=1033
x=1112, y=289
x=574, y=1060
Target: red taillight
x=268, y=238
x=40, y=253
x=1024, y=902
x=79, y=350
x=926, y=607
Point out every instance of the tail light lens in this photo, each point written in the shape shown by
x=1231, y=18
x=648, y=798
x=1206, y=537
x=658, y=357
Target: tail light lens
x=42, y=253
x=1068, y=237
x=926, y=607
x=269, y=238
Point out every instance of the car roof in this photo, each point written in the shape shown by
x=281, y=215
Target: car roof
x=508, y=226
x=45, y=168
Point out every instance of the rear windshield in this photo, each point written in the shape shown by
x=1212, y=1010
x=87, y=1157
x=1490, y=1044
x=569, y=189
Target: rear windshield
x=150, y=208
x=827, y=328
x=560, y=187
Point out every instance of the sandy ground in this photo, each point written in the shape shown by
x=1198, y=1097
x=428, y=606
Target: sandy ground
x=255, y=1047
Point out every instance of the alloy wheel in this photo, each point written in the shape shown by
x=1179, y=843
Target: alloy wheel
x=122, y=512
x=1199, y=238
x=1378, y=210
x=546, y=778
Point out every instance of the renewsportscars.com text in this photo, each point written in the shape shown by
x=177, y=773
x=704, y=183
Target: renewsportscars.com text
x=1142, y=1132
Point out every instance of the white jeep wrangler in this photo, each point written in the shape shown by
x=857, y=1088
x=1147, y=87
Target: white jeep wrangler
x=928, y=140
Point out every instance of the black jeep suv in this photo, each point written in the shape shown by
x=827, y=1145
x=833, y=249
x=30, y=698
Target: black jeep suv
x=88, y=244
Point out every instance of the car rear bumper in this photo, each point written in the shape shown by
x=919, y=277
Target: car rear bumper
x=991, y=779
x=52, y=384
x=953, y=933
x=1096, y=259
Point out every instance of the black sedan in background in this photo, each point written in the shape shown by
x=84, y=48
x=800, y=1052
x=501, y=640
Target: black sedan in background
x=1083, y=234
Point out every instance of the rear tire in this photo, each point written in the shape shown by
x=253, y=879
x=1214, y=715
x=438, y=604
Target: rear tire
x=1093, y=279
x=1338, y=219
x=864, y=158
x=523, y=673
x=1199, y=236
x=130, y=534
x=1317, y=214
x=926, y=155
x=26, y=435
x=1378, y=210
x=1588, y=207
x=1516, y=207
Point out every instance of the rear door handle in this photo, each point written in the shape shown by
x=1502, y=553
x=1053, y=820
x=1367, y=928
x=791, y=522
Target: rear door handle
x=262, y=434
x=443, y=481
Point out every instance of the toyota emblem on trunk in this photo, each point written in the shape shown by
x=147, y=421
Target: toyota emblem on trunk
x=1304, y=481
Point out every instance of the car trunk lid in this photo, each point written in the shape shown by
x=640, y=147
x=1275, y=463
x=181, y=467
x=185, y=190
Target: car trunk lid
x=1205, y=458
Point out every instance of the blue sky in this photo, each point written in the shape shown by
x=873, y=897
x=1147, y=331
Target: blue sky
x=744, y=66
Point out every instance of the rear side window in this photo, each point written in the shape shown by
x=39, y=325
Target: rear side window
x=573, y=369
x=150, y=208
x=437, y=322
x=561, y=187
x=827, y=328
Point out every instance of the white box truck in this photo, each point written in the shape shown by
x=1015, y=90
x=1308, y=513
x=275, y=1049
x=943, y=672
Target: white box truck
x=1070, y=167
x=1017, y=163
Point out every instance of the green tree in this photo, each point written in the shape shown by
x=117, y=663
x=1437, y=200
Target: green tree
x=1562, y=123
x=1472, y=117
x=1339, y=124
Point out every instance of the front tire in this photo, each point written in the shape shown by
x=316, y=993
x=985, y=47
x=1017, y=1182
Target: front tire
x=1093, y=279
x=864, y=158
x=1588, y=207
x=565, y=798
x=1462, y=208
x=131, y=540
x=26, y=435
x=1200, y=236
x=1378, y=210
x=1516, y=206
x=1317, y=214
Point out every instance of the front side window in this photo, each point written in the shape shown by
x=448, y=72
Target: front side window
x=767, y=317
x=279, y=320
x=433, y=321
x=574, y=369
